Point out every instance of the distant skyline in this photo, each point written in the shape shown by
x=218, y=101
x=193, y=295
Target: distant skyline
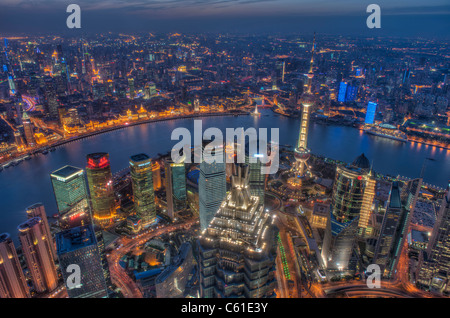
x=346, y=17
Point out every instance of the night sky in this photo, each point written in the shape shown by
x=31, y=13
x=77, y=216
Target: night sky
x=347, y=17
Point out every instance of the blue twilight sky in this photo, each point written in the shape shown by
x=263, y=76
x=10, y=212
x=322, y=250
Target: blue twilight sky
x=401, y=17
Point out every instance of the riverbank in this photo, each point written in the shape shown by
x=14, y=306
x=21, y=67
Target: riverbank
x=10, y=161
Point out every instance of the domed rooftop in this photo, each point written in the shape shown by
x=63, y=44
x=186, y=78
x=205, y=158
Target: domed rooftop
x=361, y=162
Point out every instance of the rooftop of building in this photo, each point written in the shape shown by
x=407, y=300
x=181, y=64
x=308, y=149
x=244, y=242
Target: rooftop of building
x=361, y=162
x=97, y=155
x=28, y=224
x=4, y=237
x=66, y=172
x=139, y=157
x=75, y=238
x=419, y=236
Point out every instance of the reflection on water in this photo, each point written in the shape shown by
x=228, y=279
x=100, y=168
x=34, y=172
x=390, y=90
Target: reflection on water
x=29, y=182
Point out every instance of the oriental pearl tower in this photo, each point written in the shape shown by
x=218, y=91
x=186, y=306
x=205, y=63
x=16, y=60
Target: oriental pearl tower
x=301, y=152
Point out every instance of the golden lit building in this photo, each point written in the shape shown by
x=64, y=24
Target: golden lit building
x=38, y=256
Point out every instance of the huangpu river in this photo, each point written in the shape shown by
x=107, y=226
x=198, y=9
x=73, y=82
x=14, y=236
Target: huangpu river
x=29, y=182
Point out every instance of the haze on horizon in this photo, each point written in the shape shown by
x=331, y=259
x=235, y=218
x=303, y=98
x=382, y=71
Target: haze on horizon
x=347, y=17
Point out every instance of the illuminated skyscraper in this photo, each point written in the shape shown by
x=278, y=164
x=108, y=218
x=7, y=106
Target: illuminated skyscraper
x=101, y=190
x=370, y=114
x=256, y=178
x=237, y=251
x=38, y=210
x=79, y=246
x=38, y=256
x=131, y=88
x=142, y=183
x=301, y=152
x=156, y=174
x=342, y=92
x=69, y=188
x=212, y=187
x=434, y=268
x=12, y=278
x=28, y=130
x=394, y=228
x=351, y=204
x=348, y=189
x=175, y=187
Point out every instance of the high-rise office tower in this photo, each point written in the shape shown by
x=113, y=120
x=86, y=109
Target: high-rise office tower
x=28, y=130
x=370, y=114
x=175, y=187
x=142, y=183
x=342, y=92
x=156, y=174
x=434, y=268
x=237, y=251
x=79, y=246
x=102, y=250
x=131, y=88
x=348, y=189
x=38, y=210
x=257, y=180
x=351, y=205
x=38, y=256
x=51, y=99
x=212, y=186
x=69, y=188
x=12, y=278
x=101, y=190
x=394, y=228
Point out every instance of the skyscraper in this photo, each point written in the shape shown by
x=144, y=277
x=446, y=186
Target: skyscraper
x=237, y=251
x=175, y=187
x=351, y=203
x=12, y=279
x=69, y=188
x=79, y=246
x=101, y=190
x=28, y=130
x=370, y=114
x=257, y=180
x=394, y=228
x=38, y=256
x=142, y=183
x=212, y=187
x=434, y=268
x=156, y=175
x=38, y=210
x=342, y=92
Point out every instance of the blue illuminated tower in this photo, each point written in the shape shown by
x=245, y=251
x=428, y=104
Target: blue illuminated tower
x=370, y=115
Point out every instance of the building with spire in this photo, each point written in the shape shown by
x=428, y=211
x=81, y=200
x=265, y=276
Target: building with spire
x=237, y=251
x=301, y=151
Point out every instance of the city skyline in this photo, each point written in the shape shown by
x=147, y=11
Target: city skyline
x=347, y=197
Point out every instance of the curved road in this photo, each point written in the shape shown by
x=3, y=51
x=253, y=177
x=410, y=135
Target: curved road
x=119, y=276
